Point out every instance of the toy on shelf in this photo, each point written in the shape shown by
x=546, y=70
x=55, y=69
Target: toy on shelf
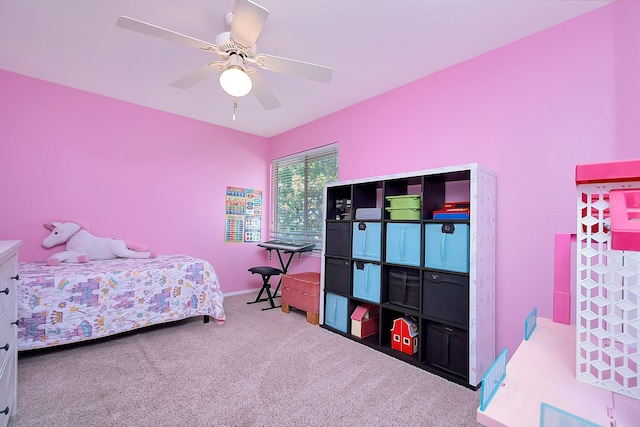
x=404, y=335
x=343, y=209
x=625, y=219
x=364, y=320
x=453, y=210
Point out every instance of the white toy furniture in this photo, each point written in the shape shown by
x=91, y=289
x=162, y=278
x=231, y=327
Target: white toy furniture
x=542, y=370
x=608, y=276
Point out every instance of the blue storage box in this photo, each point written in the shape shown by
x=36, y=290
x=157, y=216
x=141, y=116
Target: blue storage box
x=403, y=244
x=366, y=240
x=336, y=312
x=446, y=246
x=366, y=281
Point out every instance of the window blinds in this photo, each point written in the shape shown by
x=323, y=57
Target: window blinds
x=297, y=194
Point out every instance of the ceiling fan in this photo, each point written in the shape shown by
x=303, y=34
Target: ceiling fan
x=237, y=51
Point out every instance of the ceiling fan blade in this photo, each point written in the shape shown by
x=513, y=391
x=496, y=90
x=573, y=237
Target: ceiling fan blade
x=155, y=31
x=196, y=76
x=262, y=91
x=306, y=70
x=247, y=23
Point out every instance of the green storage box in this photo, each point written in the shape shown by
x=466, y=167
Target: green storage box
x=407, y=201
x=404, y=213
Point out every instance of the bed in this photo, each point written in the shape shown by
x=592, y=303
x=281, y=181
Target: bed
x=72, y=302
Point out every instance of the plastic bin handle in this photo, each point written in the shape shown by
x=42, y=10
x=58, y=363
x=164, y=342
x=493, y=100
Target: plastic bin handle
x=445, y=349
x=364, y=243
x=366, y=279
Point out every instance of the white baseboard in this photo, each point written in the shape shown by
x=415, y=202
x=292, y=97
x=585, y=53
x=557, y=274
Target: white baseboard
x=246, y=291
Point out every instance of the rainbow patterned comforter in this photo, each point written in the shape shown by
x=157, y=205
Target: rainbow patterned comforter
x=77, y=302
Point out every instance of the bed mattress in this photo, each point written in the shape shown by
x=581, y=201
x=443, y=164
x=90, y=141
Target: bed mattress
x=76, y=302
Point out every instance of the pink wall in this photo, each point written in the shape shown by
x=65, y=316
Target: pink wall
x=126, y=170
x=627, y=40
x=529, y=111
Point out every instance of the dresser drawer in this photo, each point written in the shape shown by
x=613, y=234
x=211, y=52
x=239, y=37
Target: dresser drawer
x=6, y=273
x=7, y=384
x=7, y=332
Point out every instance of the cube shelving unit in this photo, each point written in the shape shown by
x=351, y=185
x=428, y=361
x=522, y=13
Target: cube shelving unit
x=373, y=256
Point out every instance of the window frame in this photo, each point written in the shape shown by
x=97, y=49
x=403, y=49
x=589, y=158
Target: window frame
x=307, y=234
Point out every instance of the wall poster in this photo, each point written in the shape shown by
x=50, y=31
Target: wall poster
x=243, y=215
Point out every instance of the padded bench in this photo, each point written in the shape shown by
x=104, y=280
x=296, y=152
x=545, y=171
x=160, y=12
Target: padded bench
x=302, y=291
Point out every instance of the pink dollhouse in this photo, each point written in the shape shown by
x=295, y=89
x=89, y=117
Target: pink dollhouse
x=364, y=320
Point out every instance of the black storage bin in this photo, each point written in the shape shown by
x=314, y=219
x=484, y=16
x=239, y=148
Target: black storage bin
x=446, y=297
x=447, y=347
x=336, y=275
x=404, y=288
x=338, y=239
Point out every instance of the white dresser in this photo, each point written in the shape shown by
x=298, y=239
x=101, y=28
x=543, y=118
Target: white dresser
x=8, y=328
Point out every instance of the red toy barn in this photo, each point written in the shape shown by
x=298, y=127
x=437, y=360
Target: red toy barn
x=404, y=335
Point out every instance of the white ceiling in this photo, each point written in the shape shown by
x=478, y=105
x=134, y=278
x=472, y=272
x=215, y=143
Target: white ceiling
x=373, y=46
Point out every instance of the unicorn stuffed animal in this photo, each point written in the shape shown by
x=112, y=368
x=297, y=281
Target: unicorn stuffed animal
x=82, y=246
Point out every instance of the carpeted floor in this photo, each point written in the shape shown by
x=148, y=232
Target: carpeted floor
x=261, y=368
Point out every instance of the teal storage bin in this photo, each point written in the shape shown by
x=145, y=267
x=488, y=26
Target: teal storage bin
x=446, y=246
x=403, y=244
x=366, y=240
x=366, y=281
x=336, y=312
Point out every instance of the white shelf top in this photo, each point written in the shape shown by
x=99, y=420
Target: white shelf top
x=6, y=246
x=434, y=171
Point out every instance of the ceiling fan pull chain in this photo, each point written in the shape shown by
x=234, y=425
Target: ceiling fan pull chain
x=235, y=107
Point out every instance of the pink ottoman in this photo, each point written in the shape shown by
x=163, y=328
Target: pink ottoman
x=302, y=291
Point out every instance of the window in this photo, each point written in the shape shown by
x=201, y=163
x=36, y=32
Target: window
x=297, y=194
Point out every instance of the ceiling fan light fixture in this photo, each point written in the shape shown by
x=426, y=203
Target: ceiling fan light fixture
x=234, y=80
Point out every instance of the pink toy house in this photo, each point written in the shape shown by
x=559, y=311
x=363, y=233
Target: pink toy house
x=364, y=321
x=404, y=335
